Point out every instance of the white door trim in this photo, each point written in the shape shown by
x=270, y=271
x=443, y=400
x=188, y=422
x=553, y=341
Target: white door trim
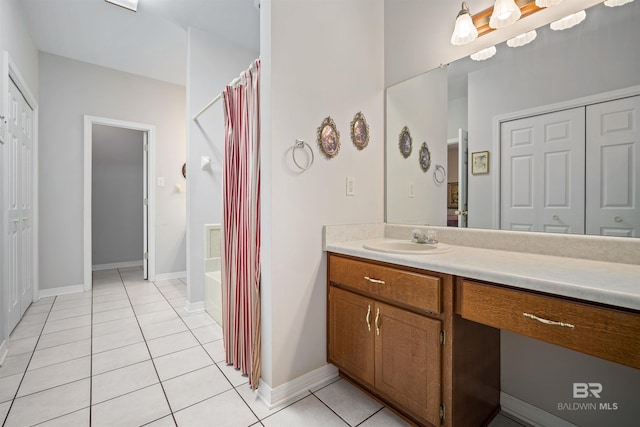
x=10, y=71
x=543, y=109
x=89, y=121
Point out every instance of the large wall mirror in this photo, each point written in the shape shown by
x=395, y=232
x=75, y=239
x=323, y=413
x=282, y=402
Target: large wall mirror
x=554, y=126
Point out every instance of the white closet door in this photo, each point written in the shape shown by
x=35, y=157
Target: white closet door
x=542, y=162
x=613, y=166
x=19, y=189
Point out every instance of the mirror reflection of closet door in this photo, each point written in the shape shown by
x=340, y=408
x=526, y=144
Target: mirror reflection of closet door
x=613, y=166
x=542, y=163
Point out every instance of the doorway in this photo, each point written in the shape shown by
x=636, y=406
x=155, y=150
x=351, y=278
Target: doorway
x=104, y=164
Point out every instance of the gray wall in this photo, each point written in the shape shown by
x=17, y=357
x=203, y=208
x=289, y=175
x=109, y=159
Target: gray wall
x=70, y=89
x=116, y=203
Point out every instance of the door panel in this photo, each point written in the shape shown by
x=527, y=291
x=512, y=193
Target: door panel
x=408, y=360
x=463, y=171
x=351, y=335
x=19, y=189
x=613, y=161
x=542, y=173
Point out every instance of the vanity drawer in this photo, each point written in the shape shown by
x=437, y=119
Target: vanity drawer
x=603, y=332
x=407, y=288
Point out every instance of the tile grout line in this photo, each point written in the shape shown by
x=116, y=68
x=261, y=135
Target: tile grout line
x=26, y=368
x=147, y=346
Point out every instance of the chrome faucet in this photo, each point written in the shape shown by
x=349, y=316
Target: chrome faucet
x=421, y=237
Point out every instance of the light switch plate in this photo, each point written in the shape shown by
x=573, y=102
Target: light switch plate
x=412, y=190
x=351, y=186
x=160, y=181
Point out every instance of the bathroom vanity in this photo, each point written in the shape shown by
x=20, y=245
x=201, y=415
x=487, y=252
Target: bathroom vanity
x=422, y=332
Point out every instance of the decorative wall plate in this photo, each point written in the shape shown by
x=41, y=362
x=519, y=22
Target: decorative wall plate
x=329, y=138
x=425, y=157
x=359, y=131
x=405, y=143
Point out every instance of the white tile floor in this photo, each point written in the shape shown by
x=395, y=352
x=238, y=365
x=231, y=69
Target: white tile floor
x=128, y=354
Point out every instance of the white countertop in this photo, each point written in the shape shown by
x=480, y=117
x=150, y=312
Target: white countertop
x=609, y=283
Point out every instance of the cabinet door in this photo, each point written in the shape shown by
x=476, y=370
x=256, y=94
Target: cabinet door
x=351, y=334
x=408, y=360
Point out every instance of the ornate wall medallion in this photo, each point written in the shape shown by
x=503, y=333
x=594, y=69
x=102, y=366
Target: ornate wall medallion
x=405, y=143
x=359, y=131
x=329, y=138
x=425, y=157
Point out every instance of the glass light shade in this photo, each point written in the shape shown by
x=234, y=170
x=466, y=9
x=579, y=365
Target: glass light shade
x=568, y=21
x=614, y=3
x=464, y=31
x=505, y=12
x=484, y=54
x=548, y=3
x=522, y=39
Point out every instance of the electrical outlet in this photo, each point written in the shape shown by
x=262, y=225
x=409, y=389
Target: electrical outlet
x=412, y=190
x=351, y=186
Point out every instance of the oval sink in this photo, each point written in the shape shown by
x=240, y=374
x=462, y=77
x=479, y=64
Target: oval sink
x=405, y=247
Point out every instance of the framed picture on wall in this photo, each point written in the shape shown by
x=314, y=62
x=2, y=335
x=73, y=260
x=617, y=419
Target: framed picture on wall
x=480, y=162
x=452, y=195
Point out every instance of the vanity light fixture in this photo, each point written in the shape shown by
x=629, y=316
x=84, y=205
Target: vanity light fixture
x=548, y=3
x=484, y=54
x=505, y=13
x=522, y=39
x=614, y=3
x=127, y=4
x=464, y=31
x=568, y=21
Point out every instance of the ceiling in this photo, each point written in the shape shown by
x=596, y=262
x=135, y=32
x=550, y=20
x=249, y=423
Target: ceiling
x=151, y=42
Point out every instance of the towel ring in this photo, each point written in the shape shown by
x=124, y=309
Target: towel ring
x=439, y=174
x=301, y=144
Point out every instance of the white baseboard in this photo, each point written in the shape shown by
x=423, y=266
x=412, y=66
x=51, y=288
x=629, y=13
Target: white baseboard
x=4, y=349
x=170, y=276
x=529, y=413
x=113, y=265
x=294, y=389
x=62, y=290
x=194, y=307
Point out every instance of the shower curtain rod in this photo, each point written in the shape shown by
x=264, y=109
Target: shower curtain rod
x=214, y=100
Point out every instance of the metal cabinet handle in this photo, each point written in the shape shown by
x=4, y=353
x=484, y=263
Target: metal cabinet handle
x=378, y=321
x=547, y=321
x=368, y=318
x=381, y=282
x=618, y=219
x=556, y=217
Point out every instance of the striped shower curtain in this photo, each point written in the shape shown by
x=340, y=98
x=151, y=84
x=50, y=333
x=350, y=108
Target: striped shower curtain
x=241, y=222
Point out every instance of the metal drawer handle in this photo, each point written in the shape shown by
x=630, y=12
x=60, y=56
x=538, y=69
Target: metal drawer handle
x=377, y=321
x=368, y=318
x=374, y=280
x=618, y=219
x=548, y=322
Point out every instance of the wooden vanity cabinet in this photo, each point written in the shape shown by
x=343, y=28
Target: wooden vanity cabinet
x=392, y=331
